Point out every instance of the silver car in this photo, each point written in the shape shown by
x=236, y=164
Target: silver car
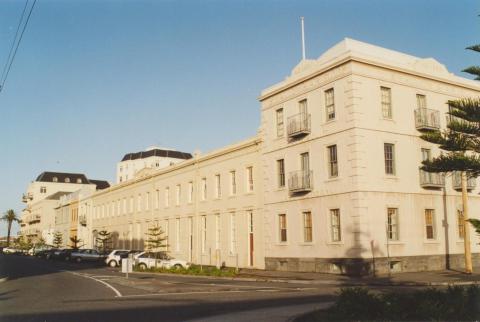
x=146, y=260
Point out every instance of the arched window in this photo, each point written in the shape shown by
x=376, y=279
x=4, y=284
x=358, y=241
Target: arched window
x=67, y=179
x=55, y=179
x=79, y=180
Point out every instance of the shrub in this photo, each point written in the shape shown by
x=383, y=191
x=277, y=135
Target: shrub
x=194, y=270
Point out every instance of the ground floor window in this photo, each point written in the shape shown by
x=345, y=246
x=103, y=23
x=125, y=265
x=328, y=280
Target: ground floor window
x=307, y=227
x=336, y=232
x=282, y=224
x=430, y=223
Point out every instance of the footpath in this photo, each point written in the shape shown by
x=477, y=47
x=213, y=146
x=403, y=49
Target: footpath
x=430, y=278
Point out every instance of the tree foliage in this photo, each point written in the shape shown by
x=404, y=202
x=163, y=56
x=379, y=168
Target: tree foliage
x=10, y=217
x=473, y=70
x=75, y=241
x=104, y=239
x=57, y=239
x=155, y=239
x=460, y=141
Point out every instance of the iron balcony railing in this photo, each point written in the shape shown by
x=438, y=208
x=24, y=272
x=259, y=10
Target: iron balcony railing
x=298, y=125
x=32, y=232
x=300, y=181
x=426, y=119
x=27, y=197
x=457, y=181
x=33, y=219
x=431, y=180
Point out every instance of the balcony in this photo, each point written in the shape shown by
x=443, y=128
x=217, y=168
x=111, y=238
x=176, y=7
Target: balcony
x=34, y=219
x=82, y=220
x=298, y=125
x=27, y=197
x=33, y=232
x=300, y=181
x=426, y=119
x=457, y=181
x=430, y=180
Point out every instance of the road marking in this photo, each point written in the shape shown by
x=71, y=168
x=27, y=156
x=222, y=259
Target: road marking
x=182, y=293
x=117, y=292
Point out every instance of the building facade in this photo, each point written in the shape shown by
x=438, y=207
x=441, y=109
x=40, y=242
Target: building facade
x=331, y=182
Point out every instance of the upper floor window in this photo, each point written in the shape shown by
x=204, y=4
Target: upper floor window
x=389, y=154
x=218, y=186
x=43, y=189
x=281, y=173
x=157, y=199
x=167, y=196
x=386, y=96
x=332, y=161
x=179, y=192
x=139, y=202
x=54, y=179
x=330, y=104
x=282, y=226
x=280, y=122
x=204, y=188
x=249, y=179
x=190, y=192
x=67, y=179
x=233, y=183
x=392, y=224
x=421, y=101
x=147, y=201
x=79, y=180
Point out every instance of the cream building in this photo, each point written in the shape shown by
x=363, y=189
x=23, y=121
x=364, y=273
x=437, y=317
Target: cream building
x=209, y=207
x=331, y=183
x=42, y=197
x=152, y=158
x=341, y=153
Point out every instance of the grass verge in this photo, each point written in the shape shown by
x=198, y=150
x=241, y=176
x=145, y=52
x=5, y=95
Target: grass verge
x=193, y=270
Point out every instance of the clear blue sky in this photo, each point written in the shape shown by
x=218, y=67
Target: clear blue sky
x=94, y=80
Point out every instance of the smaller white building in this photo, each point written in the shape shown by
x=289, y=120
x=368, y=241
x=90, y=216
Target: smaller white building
x=152, y=158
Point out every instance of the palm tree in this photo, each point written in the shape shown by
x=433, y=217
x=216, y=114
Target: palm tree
x=10, y=216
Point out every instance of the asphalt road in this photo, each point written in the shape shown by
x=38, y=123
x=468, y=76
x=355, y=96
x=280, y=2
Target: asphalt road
x=33, y=289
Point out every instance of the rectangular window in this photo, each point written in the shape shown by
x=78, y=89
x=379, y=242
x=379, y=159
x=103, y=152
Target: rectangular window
x=157, y=199
x=392, y=224
x=336, y=229
x=218, y=187
x=233, y=233
x=307, y=227
x=217, y=231
x=280, y=126
x=281, y=173
x=282, y=226
x=177, y=234
x=139, y=202
x=131, y=204
x=332, y=161
x=124, y=206
x=233, y=183
x=119, y=207
x=204, y=188
x=43, y=189
x=204, y=233
x=179, y=194
x=190, y=192
x=430, y=223
x=249, y=179
x=330, y=104
x=389, y=152
x=421, y=101
x=461, y=225
x=386, y=96
x=147, y=201
x=167, y=196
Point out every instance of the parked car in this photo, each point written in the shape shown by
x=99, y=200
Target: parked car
x=11, y=250
x=50, y=253
x=146, y=260
x=35, y=250
x=115, y=257
x=87, y=255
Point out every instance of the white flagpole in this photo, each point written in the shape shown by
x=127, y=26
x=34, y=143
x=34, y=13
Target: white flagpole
x=303, y=39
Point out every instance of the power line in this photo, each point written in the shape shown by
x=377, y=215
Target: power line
x=18, y=44
x=14, y=40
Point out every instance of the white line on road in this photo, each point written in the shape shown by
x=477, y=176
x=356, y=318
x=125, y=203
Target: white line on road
x=117, y=292
x=182, y=293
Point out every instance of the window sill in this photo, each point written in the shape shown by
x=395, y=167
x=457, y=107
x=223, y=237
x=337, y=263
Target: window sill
x=330, y=121
x=232, y=196
x=332, y=179
x=390, y=177
x=387, y=119
x=280, y=189
x=249, y=193
x=332, y=243
x=431, y=241
x=395, y=242
x=306, y=244
x=282, y=244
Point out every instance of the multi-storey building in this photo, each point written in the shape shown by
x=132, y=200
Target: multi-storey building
x=42, y=197
x=341, y=156
x=152, y=158
x=331, y=183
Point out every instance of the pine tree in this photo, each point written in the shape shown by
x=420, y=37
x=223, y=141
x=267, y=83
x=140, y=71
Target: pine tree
x=57, y=239
x=104, y=238
x=461, y=145
x=155, y=239
x=473, y=70
x=75, y=241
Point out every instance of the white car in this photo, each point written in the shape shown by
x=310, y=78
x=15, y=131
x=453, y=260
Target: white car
x=146, y=260
x=11, y=250
x=115, y=257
